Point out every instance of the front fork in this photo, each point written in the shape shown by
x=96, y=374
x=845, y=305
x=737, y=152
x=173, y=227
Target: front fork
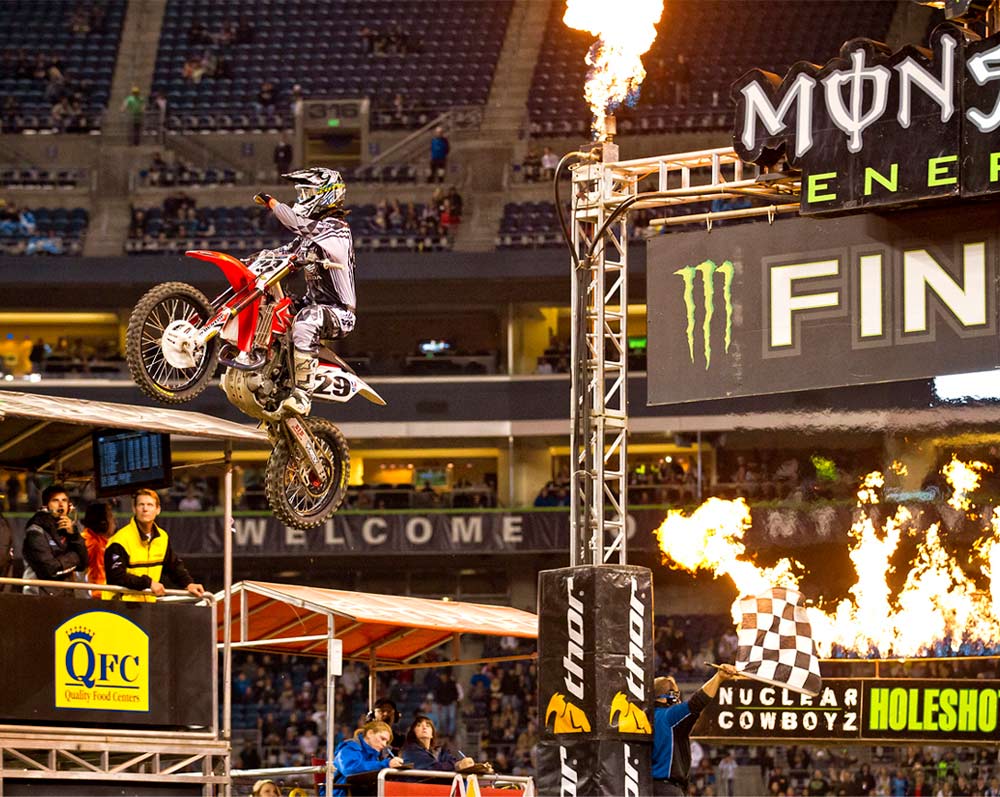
x=299, y=436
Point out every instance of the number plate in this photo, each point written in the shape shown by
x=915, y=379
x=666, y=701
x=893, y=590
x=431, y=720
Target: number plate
x=334, y=384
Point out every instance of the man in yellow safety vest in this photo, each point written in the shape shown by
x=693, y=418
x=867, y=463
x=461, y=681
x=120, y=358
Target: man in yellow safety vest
x=139, y=554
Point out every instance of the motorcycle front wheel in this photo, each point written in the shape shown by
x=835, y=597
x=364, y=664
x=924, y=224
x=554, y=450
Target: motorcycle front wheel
x=178, y=306
x=298, y=496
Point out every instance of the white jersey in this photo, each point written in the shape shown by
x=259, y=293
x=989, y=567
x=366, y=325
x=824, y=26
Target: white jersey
x=328, y=243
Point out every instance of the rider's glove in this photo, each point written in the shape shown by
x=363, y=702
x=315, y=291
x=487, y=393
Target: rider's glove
x=262, y=199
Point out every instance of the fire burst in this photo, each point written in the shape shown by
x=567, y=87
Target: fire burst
x=938, y=608
x=624, y=33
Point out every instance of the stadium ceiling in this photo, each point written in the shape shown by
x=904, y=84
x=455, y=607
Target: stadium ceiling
x=386, y=631
x=51, y=434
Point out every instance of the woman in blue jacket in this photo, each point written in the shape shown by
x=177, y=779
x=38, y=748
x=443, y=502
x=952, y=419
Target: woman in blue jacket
x=422, y=749
x=368, y=751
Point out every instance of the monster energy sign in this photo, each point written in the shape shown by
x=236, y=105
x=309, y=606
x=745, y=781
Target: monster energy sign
x=707, y=271
x=808, y=303
x=874, y=128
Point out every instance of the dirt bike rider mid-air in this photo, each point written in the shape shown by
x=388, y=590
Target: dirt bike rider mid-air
x=326, y=253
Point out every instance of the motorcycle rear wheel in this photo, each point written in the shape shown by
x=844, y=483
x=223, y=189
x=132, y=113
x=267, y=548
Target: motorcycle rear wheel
x=298, y=497
x=154, y=312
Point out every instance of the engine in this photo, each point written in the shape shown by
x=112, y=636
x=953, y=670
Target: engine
x=255, y=393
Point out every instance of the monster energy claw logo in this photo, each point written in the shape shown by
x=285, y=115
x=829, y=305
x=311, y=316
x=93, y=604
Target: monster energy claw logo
x=708, y=270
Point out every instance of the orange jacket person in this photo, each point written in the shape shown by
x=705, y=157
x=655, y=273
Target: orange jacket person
x=140, y=554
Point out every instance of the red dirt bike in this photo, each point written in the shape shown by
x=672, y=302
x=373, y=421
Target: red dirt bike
x=176, y=338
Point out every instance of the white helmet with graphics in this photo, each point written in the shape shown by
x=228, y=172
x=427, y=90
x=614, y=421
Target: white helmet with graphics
x=318, y=191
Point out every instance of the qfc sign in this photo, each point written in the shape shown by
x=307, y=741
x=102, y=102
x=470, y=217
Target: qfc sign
x=101, y=662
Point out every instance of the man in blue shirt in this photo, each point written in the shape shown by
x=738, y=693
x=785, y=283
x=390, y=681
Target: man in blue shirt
x=672, y=724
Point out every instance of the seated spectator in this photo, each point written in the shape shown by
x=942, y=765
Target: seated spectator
x=549, y=163
x=193, y=69
x=368, y=751
x=455, y=199
x=244, y=31
x=265, y=96
x=47, y=244
x=531, y=166
x=422, y=749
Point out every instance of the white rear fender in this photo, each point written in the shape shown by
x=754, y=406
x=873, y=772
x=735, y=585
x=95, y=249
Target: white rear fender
x=336, y=384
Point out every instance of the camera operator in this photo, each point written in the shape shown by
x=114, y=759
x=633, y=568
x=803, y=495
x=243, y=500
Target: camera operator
x=53, y=546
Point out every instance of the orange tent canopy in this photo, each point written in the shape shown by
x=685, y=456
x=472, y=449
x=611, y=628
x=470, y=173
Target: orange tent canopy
x=379, y=629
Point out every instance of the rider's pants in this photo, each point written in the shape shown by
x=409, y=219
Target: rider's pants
x=318, y=322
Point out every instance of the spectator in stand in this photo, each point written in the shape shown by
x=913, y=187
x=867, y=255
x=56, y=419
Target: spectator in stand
x=367, y=37
x=455, y=199
x=446, y=696
x=440, y=148
x=681, y=75
x=191, y=502
x=423, y=750
x=531, y=166
x=244, y=31
x=266, y=97
x=727, y=773
x=549, y=163
x=53, y=548
x=447, y=218
x=98, y=528
x=193, y=69
x=137, y=227
x=134, y=105
x=160, y=116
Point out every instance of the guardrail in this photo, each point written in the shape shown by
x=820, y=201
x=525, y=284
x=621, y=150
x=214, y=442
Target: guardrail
x=175, y=595
x=454, y=784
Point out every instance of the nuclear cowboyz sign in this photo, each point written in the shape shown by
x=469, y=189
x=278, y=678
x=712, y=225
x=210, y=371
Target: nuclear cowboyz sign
x=856, y=710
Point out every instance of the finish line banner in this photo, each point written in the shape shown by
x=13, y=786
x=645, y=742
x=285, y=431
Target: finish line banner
x=875, y=710
x=806, y=303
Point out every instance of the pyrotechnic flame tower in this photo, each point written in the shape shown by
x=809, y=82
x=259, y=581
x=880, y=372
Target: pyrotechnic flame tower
x=595, y=617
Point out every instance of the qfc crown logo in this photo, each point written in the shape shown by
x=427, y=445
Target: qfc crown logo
x=707, y=269
x=102, y=663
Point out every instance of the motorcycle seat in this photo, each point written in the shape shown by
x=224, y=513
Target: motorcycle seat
x=332, y=357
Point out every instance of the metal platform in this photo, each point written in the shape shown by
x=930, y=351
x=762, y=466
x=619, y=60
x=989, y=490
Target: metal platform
x=197, y=760
x=601, y=185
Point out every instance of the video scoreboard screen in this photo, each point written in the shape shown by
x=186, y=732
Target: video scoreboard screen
x=125, y=460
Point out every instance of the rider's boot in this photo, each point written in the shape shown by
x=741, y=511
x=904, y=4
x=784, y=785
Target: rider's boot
x=300, y=401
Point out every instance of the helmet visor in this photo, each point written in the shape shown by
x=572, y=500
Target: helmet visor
x=304, y=192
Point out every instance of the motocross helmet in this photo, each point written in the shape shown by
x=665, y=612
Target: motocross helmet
x=318, y=191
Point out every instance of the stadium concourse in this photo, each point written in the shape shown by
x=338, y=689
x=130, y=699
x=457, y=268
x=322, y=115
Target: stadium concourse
x=462, y=487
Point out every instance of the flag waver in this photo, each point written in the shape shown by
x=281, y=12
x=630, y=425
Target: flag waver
x=775, y=642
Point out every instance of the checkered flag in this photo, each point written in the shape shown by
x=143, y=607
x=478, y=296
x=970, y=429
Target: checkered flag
x=775, y=642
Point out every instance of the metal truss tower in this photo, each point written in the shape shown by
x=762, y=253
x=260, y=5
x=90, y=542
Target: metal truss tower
x=599, y=313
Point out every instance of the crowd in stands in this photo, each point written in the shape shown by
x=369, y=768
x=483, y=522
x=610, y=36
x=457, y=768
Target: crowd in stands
x=77, y=356
x=180, y=224
x=491, y=713
x=41, y=231
x=56, y=63
x=179, y=171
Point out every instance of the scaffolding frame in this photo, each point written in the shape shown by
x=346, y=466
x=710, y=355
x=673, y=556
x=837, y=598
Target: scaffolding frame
x=604, y=190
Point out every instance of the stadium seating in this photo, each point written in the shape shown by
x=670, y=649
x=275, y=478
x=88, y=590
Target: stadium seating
x=246, y=229
x=57, y=231
x=742, y=36
x=446, y=59
x=29, y=28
